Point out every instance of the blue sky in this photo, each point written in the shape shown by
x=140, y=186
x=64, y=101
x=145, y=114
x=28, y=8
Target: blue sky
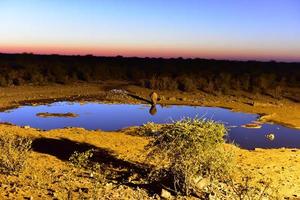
x=233, y=29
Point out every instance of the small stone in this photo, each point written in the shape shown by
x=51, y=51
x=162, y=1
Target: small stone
x=172, y=99
x=162, y=98
x=270, y=136
x=182, y=99
x=201, y=183
x=91, y=175
x=165, y=194
x=26, y=127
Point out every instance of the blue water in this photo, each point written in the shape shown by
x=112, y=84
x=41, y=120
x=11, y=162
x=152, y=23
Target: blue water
x=110, y=117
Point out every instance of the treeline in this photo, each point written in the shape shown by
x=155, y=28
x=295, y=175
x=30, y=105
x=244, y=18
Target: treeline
x=156, y=73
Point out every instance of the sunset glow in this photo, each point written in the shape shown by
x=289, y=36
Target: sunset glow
x=227, y=29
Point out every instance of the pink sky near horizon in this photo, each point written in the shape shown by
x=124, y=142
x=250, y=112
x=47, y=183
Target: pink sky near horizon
x=135, y=51
x=218, y=29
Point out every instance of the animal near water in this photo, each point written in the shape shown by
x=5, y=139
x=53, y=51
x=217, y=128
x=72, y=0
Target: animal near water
x=153, y=97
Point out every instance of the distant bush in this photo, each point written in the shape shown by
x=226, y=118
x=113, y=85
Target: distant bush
x=276, y=92
x=187, y=84
x=14, y=151
x=3, y=82
x=162, y=83
x=155, y=73
x=194, y=151
x=210, y=87
x=36, y=78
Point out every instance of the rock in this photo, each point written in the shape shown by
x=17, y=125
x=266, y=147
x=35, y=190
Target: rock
x=261, y=104
x=270, y=136
x=172, y=99
x=201, y=183
x=182, y=99
x=162, y=98
x=165, y=194
x=251, y=125
x=26, y=127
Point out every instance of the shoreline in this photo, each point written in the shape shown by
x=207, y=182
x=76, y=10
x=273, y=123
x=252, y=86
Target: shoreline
x=267, y=112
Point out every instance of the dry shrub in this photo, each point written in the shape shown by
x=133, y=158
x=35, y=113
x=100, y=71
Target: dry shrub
x=194, y=151
x=187, y=84
x=84, y=160
x=193, y=159
x=14, y=151
x=249, y=189
x=149, y=129
x=81, y=159
x=3, y=81
x=159, y=83
x=276, y=92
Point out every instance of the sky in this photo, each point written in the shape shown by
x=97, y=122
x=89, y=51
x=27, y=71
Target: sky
x=219, y=29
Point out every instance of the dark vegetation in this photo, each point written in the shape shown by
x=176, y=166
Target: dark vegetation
x=221, y=76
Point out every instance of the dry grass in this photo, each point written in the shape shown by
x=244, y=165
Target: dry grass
x=14, y=151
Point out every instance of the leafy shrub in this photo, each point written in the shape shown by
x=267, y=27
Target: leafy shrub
x=84, y=160
x=81, y=159
x=194, y=151
x=14, y=151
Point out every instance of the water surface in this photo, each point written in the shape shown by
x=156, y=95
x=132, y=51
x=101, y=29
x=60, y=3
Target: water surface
x=110, y=117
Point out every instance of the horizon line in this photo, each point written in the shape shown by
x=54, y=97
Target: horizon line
x=153, y=57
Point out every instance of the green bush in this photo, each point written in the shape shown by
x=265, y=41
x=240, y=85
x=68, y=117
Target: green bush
x=194, y=151
x=81, y=159
x=14, y=151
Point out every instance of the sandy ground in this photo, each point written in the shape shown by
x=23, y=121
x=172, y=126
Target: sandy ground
x=49, y=174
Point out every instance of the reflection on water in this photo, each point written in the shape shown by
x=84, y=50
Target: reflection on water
x=116, y=116
x=153, y=110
